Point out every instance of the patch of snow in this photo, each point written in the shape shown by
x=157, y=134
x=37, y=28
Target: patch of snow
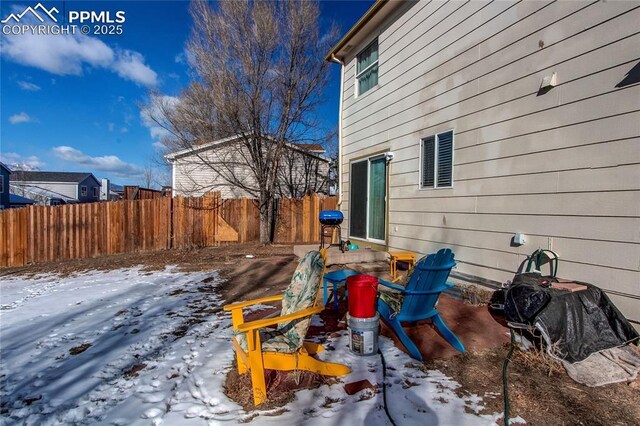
x=150, y=348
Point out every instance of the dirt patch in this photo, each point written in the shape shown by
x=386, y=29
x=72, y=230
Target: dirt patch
x=134, y=370
x=204, y=259
x=537, y=393
x=255, y=278
x=281, y=387
x=79, y=349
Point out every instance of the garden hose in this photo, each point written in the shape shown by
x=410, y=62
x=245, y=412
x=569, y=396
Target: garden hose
x=384, y=387
x=505, y=387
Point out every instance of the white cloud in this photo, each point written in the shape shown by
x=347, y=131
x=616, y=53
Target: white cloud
x=58, y=54
x=158, y=103
x=69, y=54
x=106, y=163
x=159, y=146
x=23, y=117
x=130, y=65
x=19, y=162
x=25, y=85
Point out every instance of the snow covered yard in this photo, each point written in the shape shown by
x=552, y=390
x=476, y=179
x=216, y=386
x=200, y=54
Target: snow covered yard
x=133, y=347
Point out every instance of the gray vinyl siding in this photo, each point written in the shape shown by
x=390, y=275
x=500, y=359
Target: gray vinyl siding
x=4, y=195
x=562, y=167
x=90, y=183
x=68, y=189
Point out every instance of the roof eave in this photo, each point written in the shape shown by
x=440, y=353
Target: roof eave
x=373, y=10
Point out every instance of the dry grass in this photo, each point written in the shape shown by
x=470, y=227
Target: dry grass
x=475, y=295
x=538, y=358
x=281, y=387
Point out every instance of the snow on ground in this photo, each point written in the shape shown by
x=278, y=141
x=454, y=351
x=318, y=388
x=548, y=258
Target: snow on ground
x=157, y=350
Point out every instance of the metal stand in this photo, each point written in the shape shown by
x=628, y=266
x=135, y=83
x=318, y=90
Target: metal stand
x=323, y=229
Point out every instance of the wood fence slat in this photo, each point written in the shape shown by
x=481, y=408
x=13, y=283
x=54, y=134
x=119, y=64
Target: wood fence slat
x=37, y=234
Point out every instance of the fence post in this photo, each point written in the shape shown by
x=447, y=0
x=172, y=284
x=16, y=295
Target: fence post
x=243, y=239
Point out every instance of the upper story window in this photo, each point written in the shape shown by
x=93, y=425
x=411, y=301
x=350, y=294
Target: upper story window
x=96, y=191
x=83, y=191
x=367, y=68
x=1, y=184
x=437, y=161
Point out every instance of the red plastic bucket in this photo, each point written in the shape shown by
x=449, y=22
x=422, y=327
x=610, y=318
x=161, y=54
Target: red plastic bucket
x=363, y=290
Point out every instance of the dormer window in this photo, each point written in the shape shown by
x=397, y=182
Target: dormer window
x=367, y=68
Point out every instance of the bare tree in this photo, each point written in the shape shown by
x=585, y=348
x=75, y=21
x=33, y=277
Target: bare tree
x=258, y=79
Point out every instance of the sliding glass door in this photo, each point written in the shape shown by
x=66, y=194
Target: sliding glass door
x=368, y=192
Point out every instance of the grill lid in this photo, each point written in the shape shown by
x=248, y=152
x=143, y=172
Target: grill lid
x=331, y=217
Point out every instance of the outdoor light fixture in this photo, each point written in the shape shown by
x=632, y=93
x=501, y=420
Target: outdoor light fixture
x=389, y=155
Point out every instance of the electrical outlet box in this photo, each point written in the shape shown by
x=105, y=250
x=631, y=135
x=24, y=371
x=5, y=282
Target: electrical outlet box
x=519, y=239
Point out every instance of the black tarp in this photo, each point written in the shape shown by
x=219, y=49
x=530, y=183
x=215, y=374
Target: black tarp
x=583, y=322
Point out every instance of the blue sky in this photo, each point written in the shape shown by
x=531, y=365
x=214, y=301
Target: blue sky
x=72, y=103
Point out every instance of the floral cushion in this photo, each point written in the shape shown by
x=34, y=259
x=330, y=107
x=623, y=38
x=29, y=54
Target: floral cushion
x=392, y=297
x=301, y=294
x=272, y=341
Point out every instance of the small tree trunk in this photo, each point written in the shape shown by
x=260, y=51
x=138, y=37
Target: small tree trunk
x=266, y=220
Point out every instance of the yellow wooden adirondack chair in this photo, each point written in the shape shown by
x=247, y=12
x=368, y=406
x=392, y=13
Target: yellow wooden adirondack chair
x=283, y=348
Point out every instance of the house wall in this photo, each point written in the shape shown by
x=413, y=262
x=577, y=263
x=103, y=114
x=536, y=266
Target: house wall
x=4, y=195
x=195, y=175
x=90, y=183
x=562, y=167
x=63, y=188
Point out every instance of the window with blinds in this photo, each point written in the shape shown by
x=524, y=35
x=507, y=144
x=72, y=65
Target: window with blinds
x=367, y=68
x=437, y=161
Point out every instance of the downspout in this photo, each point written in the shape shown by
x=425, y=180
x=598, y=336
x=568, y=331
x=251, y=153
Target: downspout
x=338, y=61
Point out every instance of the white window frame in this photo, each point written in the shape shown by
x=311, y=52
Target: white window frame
x=83, y=190
x=358, y=74
x=435, y=162
x=367, y=239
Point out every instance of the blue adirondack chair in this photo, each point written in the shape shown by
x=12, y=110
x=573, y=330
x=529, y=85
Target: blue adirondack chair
x=335, y=279
x=417, y=300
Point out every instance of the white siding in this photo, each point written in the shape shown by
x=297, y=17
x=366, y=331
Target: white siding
x=563, y=167
x=195, y=175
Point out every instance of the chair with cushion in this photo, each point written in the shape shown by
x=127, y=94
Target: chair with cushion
x=417, y=300
x=282, y=347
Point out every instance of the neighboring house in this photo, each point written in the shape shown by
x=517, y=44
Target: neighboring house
x=453, y=134
x=40, y=196
x=4, y=186
x=196, y=171
x=67, y=186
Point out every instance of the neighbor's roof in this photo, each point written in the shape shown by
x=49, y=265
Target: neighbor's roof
x=371, y=20
x=18, y=199
x=38, y=176
x=4, y=166
x=308, y=149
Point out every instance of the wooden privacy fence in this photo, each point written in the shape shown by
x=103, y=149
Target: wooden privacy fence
x=37, y=234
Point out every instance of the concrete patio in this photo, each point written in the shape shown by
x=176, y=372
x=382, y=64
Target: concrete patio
x=336, y=257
